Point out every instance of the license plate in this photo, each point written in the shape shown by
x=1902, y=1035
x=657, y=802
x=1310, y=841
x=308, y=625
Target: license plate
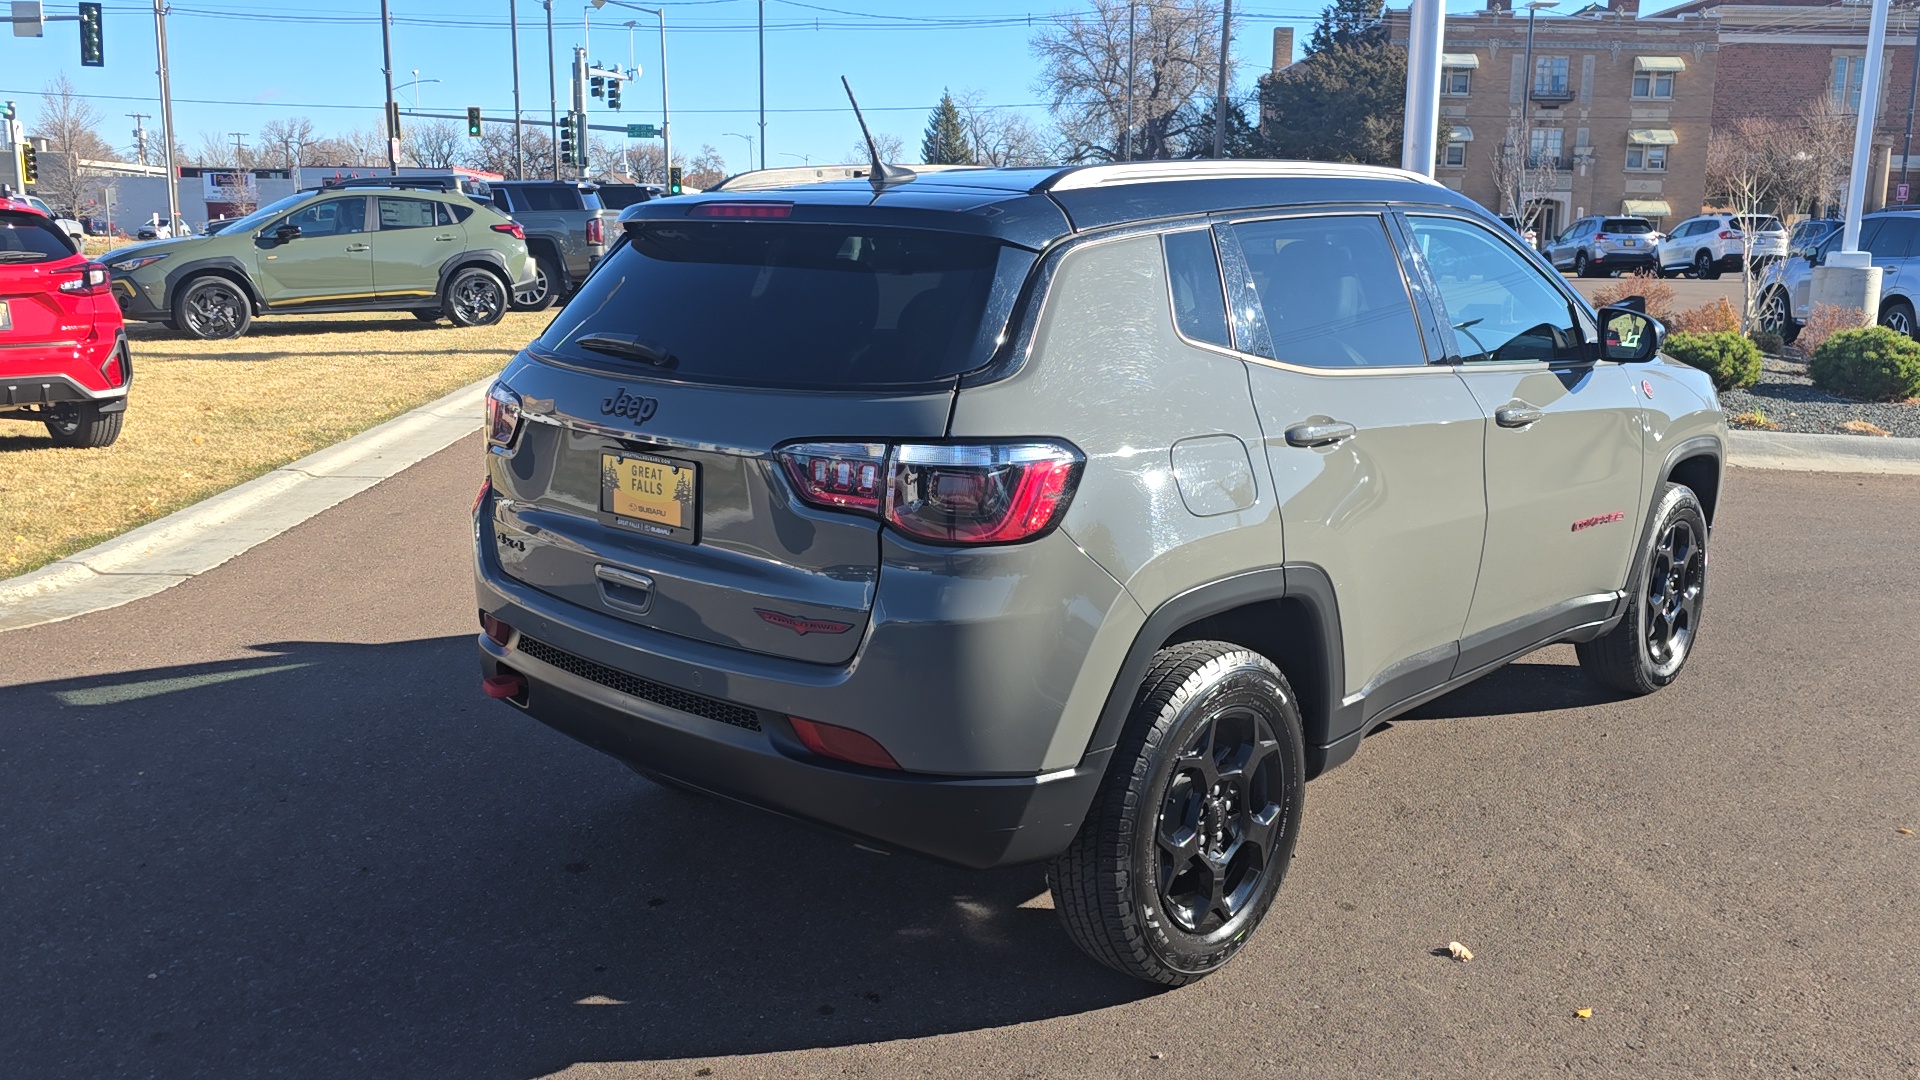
x=1631, y=243
x=6, y=316
x=654, y=495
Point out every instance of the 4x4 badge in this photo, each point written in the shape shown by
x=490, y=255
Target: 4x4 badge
x=800, y=626
x=632, y=406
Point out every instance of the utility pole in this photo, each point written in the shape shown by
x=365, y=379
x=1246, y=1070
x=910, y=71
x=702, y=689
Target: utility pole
x=763, y=83
x=513, y=25
x=1220, y=94
x=166, y=108
x=1126, y=137
x=139, y=137
x=553, y=94
x=393, y=111
x=239, y=148
x=580, y=111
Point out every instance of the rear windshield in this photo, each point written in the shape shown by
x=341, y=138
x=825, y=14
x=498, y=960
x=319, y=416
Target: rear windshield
x=1628, y=225
x=31, y=238
x=1758, y=224
x=797, y=306
x=536, y=197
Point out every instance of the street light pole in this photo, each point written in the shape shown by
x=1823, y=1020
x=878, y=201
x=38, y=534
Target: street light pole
x=1126, y=137
x=386, y=69
x=1906, y=148
x=1520, y=213
x=166, y=108
x=513, y=24
x=749, y=139
x=763, y=82
x=553, y=94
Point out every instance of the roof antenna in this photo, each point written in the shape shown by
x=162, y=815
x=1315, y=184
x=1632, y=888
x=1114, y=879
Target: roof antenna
x=882, y=173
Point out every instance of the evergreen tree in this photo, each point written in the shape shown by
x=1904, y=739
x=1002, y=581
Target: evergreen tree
x=1346, y=23
x=946, y=141
x=1344, y=103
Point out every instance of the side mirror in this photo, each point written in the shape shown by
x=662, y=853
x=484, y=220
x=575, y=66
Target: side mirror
x=287, y=232
x=1629, y=336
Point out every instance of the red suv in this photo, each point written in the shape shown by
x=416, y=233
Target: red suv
x=63, y=348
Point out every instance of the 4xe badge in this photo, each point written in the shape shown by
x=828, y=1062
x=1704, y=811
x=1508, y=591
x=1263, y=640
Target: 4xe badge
x=632, y=406
x=800, y=626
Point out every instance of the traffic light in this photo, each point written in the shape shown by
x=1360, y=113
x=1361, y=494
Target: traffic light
x=29, y=164
x=566, y=141
x=92, y=48
x=599, y=86
x=613, y=93
x=473, y=121
x=673, y=180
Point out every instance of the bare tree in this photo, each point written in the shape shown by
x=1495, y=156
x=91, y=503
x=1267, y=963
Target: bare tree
x=283, y=144
x=493, y=151
x=1001, y=136
x=1819, y=158
x=707, y=168
x=1521, y=178
x=71, y=128
x=1746, y=165
x=890, y=148
x=1174, y=50
x=434, y=144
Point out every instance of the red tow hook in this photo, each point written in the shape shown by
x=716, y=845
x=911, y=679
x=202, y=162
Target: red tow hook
x=504, y=686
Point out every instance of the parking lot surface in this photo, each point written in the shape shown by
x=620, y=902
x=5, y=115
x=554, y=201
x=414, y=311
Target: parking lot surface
x=265, y=824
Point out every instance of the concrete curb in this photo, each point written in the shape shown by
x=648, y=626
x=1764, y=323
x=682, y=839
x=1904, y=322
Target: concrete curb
x=1823, y=453
x=164, y=553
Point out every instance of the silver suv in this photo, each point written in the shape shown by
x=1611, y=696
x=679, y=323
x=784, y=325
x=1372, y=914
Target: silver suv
x=1595, y=246
x=1891, y=238
x=1076, y=514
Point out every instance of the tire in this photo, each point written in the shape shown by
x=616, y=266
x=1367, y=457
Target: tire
x=475, y=297
x=1776, y=315
x=427, y=314
x=1898, y=315
x=542, y=295
x=85, y=427
x=1666, y=596
x=1146, y=887
x=212, y=308
x=1580, y=268
x=1705, y=268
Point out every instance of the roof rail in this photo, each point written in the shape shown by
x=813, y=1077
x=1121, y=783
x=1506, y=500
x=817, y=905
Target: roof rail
x=1148, y=172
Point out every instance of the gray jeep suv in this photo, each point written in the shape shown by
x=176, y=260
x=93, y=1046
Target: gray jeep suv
x=1076, y=514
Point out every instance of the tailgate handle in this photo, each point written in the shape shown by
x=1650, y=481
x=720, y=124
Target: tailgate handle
x=624, y=588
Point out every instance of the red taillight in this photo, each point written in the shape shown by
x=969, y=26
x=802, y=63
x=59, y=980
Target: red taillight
x=839, y=476
x=742, y=210
x=969, y=493
x=511, y=228
x=92, y=279
x=503, y=415
x=1729, y=234
x=497, y=632
x=1599, y=236
x=845, y=744
x=596, y=231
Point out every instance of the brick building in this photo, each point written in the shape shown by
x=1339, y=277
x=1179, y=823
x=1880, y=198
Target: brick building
x=1612, y=118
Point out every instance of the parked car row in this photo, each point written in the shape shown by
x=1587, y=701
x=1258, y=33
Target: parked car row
x=1891, y=238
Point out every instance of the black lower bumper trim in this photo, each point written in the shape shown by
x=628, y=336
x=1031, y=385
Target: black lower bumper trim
x=975, y=823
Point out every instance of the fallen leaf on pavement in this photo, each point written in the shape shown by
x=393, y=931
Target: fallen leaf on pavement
x=1584, y=1014
x=1904, y=832
x=1459, y=952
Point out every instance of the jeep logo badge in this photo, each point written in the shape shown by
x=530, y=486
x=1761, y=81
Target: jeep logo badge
x=632, y=406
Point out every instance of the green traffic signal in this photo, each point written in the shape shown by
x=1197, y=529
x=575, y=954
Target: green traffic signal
x=473, y=121
x=673, y=180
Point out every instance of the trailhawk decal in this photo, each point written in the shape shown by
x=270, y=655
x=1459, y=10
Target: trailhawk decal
x=800, y=626
x=1603, y=519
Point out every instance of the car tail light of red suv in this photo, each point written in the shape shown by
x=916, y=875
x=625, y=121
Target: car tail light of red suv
x=945, y=493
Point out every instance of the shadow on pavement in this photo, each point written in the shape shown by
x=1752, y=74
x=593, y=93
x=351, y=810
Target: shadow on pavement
x=336, y=859
x=1517, y=689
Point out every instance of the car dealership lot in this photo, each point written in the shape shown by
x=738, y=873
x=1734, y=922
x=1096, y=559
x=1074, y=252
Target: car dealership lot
x=254, y=829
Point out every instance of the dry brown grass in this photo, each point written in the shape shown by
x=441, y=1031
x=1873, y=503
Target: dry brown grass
x=206, y=415
x=1755, y=421
x=1659, y=294
x=1863, y=427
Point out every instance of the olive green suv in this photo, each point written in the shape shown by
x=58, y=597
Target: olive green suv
x=432, y=253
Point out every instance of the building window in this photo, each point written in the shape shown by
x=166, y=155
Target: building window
x=1846, y=82
x=1653, y=84
x=1454, y=154
x=1544, y=148
x=1550, y=77
x=1648, y=158
x=1454, y=82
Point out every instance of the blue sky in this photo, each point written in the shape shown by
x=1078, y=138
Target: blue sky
x=239, y=63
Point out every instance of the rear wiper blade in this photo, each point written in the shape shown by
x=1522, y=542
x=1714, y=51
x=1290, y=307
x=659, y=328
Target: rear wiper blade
x=635, y=348
x=22, y=256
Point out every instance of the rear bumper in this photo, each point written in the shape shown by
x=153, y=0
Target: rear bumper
x=1636, y=257
x=79, y=373
x=972, y=822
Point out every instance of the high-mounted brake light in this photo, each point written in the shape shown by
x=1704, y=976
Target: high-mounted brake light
x=742, y=210
x=960, y=493
x=596, y=231
x=503, y=415
x=511, y=228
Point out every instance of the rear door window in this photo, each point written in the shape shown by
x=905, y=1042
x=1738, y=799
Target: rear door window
x=808, y=306
x=1893, y=240
x=405, y=213
x=1332, y=291
x=29, y=238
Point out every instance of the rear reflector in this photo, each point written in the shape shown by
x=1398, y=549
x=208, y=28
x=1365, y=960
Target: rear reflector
x=742, y=210
x=844, y=744
x=504, y=687
x=497, y=631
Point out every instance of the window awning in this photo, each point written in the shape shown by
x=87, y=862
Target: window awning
x=1459, y=133
x=1459, y=60
x=1647, y=208
x=1652, y=137
x=1659, y=63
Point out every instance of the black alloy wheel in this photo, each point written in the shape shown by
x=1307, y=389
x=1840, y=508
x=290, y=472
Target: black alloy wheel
x=476, y=297
x=1580, y=264
x=213, y=308
x=1676, y=585
x=1666, y=598
x=1219, y=821
x=1705, y=268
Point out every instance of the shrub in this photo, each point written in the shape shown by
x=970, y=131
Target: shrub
x=1659, y=294
x=1729, y=358
x=1824, y=321
x=1715, y=317
x=1874, y=364
x=1768, y=341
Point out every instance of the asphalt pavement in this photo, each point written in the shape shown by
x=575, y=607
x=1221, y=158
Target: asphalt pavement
x=264, y=824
